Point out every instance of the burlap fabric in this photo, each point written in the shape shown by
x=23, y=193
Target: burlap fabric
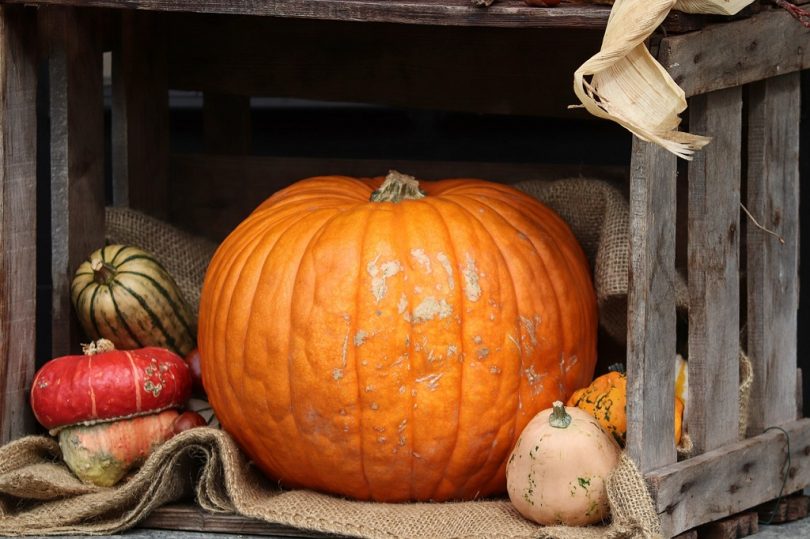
x=39, y=496
x=183, y=255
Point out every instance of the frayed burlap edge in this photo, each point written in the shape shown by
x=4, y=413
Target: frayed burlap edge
x=207, y=462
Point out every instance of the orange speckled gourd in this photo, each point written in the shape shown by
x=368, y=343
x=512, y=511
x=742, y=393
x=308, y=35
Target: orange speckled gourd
x=606, y=399
x=390, y=340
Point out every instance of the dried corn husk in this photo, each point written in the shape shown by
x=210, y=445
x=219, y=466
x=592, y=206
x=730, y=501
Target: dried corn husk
x=624, y=83
x=710, y=7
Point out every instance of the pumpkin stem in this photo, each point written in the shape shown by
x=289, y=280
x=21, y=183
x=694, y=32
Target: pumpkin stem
x=559, y=418
x=103, y=273
x=398, y=187
x=98, y=347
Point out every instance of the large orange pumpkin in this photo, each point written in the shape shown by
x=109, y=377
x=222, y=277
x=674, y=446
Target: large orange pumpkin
x=391, y=344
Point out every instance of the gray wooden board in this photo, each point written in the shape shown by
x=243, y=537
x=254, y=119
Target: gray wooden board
x=18, y=82
x=714, y=253
x=772, y=272
x=651, y=307
x=736, y=53
x=731, y=479
x=506, y=13
x=77, y=160
x=190, y=517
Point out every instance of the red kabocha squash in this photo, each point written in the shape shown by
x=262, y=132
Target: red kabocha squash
x=390, y=342
x=110, y=408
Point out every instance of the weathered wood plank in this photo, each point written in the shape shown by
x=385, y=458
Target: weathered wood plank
x=773, y=282
x=140, y=114
x=466, y=69
x=714, y=253
x=736, y=53
x=77, y=160
x=788, y=509
x=731, y=479
x=226, y=123
x=212, y=194
x=506, y=13
x=18, y=147
x=189, y=517
x=733, y=527
x=651, y=307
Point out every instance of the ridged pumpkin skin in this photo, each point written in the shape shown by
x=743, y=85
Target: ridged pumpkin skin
x=394, y=350
x=124, y=294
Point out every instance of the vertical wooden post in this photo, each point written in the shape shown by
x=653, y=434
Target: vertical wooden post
x=714, y=282
x=140, y=115
x=77, y=159
x=651, y=307
x=773, y=266
x=18, y=89
x=226, y=123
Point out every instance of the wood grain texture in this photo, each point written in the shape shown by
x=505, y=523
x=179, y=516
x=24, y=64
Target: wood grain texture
x=482, y=70
x=713, y=254
x=736, y=53
x=733, y=527
x=140, y=114
x=651, y=307
x=773, y=282
x=788, y=509
x=731, y=479
x=212, y=194
x=191, y=517
x=18, y=147
x=77, y=160
x=505, y=13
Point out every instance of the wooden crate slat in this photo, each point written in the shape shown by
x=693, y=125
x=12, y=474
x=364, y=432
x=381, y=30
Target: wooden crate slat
x=773, y=282
x=190, y=517
x=466, y=69
x=506, y=13
x=730, y=479
x=651, y=307
x=714, y=289
x=77, y=160
x=18, y=154
x=140, y=114
x=768, y=44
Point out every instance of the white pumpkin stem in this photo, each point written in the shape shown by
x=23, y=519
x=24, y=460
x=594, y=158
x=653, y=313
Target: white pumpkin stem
x=398, y=187
x=103, y=273
x=559, y=418
x=98, y=347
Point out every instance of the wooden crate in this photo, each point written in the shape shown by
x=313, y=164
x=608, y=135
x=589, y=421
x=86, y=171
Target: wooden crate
x=742, y=79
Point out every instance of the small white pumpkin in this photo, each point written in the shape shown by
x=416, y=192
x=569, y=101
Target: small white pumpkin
x=558, y=470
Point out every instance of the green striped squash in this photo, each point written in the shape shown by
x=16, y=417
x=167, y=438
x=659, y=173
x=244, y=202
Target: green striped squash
x=124, y=294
